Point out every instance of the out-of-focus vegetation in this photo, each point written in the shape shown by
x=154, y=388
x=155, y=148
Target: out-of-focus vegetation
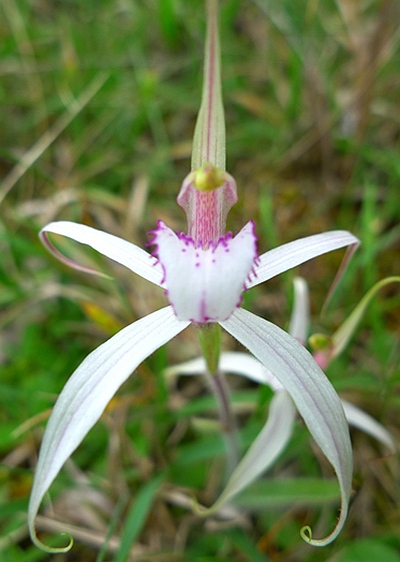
x=98, y=104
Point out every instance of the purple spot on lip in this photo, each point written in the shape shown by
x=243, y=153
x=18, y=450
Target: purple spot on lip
x=197, y=264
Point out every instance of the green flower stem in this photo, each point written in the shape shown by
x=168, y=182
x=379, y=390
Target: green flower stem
x=210, y=340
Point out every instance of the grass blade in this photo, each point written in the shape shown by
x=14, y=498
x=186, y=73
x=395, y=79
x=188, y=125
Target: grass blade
x=137, y=517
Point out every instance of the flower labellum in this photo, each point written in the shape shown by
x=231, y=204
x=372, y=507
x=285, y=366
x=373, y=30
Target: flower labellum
x=205, y=285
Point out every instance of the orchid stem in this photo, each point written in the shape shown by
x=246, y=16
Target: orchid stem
x=210, y=340
x=219, y=387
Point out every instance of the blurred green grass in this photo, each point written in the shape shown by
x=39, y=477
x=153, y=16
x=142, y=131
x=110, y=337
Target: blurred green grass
x=98, y=104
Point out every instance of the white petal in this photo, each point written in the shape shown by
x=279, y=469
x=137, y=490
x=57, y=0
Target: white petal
x=193, y=367
x=88, y=391
x=300, y=319
x=290, y=255
x=205, y=285
x=311, y=391
x=360, y=419
x=245, y=364
x=117, y=249
x=274, y=436
x=266, y=448
x=234, y=362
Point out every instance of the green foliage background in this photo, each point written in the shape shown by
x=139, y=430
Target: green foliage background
x=98, y=105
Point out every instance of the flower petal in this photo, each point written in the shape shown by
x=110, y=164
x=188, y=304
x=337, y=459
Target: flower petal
x=205, y=285
x=361, y=420
x=300, y=318
x=264, y=451
x=311, y=391
x=294, y=253
x=234, y=362
x=87, y=393
x=117, y=249
x=271, y=440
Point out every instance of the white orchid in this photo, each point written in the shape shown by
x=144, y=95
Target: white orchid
x=204, y=274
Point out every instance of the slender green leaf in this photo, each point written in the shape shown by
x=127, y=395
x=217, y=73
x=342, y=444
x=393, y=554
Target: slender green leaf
x=136, y=517
x=264, y=494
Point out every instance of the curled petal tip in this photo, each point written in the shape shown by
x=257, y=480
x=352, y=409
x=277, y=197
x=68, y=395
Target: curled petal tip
x=306, y=533
x=307, y=536
x=45, y=547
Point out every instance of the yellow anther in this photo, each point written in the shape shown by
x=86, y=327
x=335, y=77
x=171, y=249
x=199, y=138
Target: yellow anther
x=208, y=177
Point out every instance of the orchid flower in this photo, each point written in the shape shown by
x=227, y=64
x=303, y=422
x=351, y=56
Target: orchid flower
x=277, y=431
x=203, y=274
